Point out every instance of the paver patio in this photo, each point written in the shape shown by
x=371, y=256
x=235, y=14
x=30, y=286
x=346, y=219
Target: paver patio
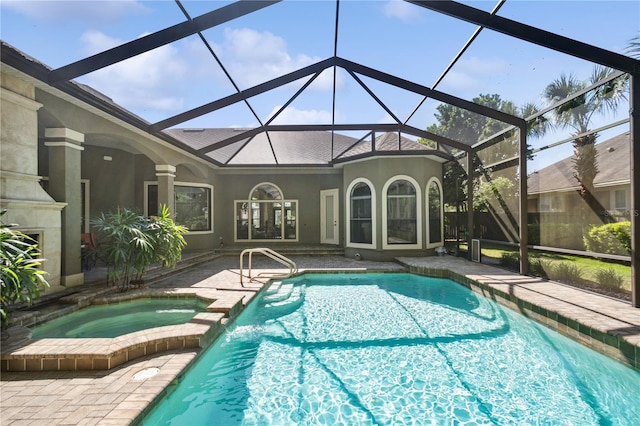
x=118, y=396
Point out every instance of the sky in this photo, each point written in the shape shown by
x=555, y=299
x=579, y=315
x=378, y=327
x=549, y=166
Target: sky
x=392, y=36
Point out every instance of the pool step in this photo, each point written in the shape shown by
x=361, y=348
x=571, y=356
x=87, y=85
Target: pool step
x=282, y=292
x=293, y=296
x=284, y=301
x=273, y=288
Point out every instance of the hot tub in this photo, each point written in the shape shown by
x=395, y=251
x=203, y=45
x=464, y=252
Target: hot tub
x=115, y=319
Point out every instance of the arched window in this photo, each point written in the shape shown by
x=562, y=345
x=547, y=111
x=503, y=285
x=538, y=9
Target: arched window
x=361, y=214
x=266, y=215
x=266, y=191
x=434, y=214
x=402, y=207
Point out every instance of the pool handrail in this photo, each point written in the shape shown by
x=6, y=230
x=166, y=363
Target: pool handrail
x=271, y=254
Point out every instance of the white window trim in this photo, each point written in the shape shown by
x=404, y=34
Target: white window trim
x=545, y=202
x=419, y=218
x=266, y=183
x=177, y=183
x=282, y=200
x=374, y=240
x=613, y=200
x=427, y=210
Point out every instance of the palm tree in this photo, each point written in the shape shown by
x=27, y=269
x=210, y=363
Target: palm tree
x=577, y=113
x=634, y=47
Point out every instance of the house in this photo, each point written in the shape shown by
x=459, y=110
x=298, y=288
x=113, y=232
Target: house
x=70, y=153
x=555, y=205
x=554, y=188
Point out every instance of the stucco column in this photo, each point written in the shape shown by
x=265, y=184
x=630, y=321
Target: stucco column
x=65, y=148
x=166, y=174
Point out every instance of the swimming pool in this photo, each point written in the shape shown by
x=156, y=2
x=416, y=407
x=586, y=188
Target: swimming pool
x=395, y=349
x=116, y=319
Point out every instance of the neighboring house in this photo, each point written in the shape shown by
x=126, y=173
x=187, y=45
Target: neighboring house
x=70, y=153
x=555, y=189
x=556, y=210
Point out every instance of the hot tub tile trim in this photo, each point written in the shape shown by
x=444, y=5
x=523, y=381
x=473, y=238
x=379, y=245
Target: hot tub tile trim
x=106, y=353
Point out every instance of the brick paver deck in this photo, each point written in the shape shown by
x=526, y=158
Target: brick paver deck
x=118, y=396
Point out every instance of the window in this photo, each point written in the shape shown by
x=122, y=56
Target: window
x=402, y=208
x=152, y=199
x=551, y=203
x=361, y=214
x=360, y=220
x=266, y=215
x=620, y=200
x=192, y=205
x=434, y=213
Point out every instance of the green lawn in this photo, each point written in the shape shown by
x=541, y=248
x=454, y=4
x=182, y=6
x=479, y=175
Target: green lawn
x=589, y=266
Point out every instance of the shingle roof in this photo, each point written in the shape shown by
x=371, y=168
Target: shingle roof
x=390, y=141
x=613, y=165
x=308, y=147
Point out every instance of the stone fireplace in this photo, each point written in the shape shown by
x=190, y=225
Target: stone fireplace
x=28, y=205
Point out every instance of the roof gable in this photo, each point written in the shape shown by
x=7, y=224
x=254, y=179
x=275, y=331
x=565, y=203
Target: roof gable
x=613, y=165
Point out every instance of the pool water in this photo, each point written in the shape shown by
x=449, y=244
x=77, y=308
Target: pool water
x=120, y=318
x=365, y=349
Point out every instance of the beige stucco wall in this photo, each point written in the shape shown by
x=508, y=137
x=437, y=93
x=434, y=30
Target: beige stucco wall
x=379, y=171
x=117, y=159
x=27, y=204
x=301, y=185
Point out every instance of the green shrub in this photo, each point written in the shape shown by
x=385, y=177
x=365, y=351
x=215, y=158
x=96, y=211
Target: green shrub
x=611, y=238
x=130, y=243
x=565, y=272
x=21, y=277
x=533, y=234
x=545, y=267
x=510, y=260
x=538, y=267
x=609, y=278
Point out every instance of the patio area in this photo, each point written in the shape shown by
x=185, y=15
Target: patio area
x=120, y=395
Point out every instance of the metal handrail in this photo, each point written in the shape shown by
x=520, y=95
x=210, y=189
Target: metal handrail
x=271, y=254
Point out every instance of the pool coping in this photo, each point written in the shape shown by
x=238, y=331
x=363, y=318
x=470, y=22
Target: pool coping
x=20, y=353
x=611, y=337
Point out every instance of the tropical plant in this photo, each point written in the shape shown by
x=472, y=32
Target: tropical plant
x=168, y=238
x=565, y=272
x=538, y=267
x=129, y=243
x=609, y=278
x=21, y=278
x=577, y=113
x=634, y=47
